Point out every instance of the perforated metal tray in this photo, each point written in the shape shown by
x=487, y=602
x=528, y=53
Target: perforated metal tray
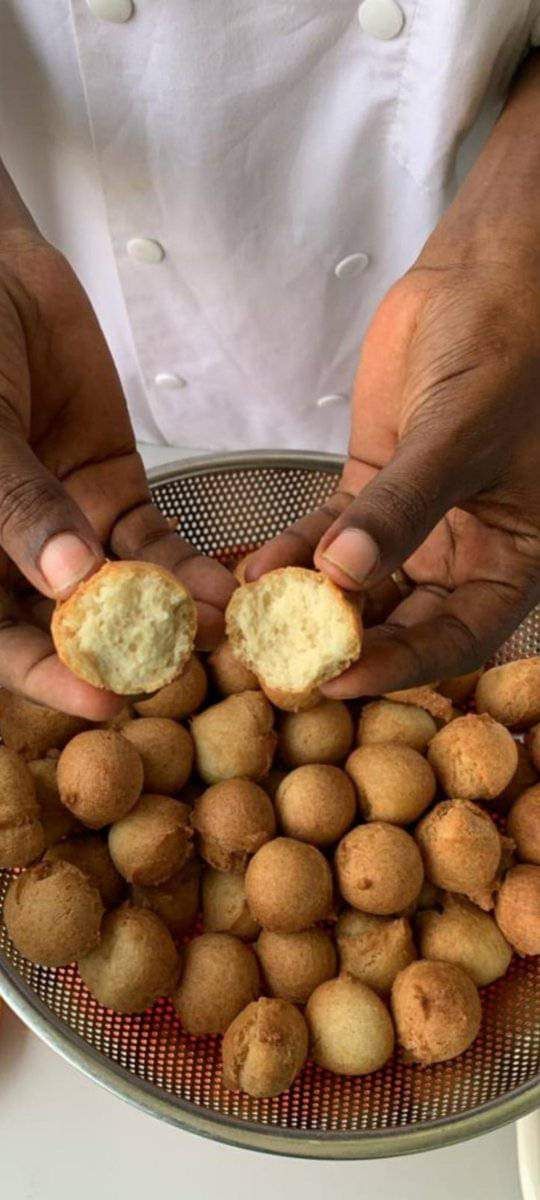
x=234, y=503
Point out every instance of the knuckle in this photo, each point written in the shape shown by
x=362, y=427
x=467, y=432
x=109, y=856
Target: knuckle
x=457, y=639
x=24, y=501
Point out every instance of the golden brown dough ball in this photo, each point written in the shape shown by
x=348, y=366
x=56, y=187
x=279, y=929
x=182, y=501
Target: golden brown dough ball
x=180, y=698
x=176, y=901
x=22, y=837
x=524, y=777
x=220, y=977
x=100, y=776
x=394, y=783
x=460, y=687
x=31, y=729
x=379, y=868
x=533, y=746
x=462, y=933
x=153, y=841
x=511, y=693
x=461, y=849
x=294, y=964
x=388, y=721
x=316, y=803
x=517, y=910
x=229, y=676
x=136, y=961
x=473, y=757
x=323, y=734
x=436, y=1010
x=234, y=738
x=350, y=1028
x=288, y=885
x=233, y=819
x=264, y=1048
x=374, y=949
x=225, y=908
x=56, y=819
x=90, y=854
x=53, y=913
x=523, y=825
x=166, y=751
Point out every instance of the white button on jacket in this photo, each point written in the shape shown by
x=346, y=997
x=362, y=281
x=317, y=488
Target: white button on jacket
x=275, y=151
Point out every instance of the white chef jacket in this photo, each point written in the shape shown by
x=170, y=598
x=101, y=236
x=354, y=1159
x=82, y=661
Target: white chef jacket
x=238, y=182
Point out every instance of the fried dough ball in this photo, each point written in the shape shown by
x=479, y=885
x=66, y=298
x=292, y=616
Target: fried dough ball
x=388, y=721
x=350, y=1028
x=394, y=783
x=461, y=849
x=436, y=1010
x=153, y=841
x=294, y=964
x=463, y=934
x=234, y=738
x=533, y=746
x=176, y=901
x=22, y=837
x=374, y=949
x=474, y=757
x=166, y=751
x=56, y=819
x=100, y=777
x=180, y=698
x=425, y=697
x=220, y=977
x=31, y=729
x=136, y=961
x=517, y=910
x=288, y=885
x=511, y=693
x=225, y=908
x=460, y=687
x=323, y=734
x=264, y=1048
x=524, y=777
x=229, y=676
x=523, y=825
x=379, y=868
x=90, y=854
x=53, y=913
x=316, y=803
x=233, y=819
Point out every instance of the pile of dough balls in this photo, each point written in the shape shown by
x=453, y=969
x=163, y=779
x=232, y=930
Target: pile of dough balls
x=311, y=884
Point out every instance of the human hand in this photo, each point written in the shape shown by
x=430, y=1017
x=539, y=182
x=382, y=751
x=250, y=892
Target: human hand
x=72, y=486
x=443, y=475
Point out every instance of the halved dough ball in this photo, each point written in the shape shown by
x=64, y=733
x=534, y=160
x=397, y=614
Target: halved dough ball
x=220, y=977
x=295, y=629
x=233, y=819
x=136, y=961
x=100, y=777
x=166, y=751
x=294, y=964
x=90, y=854
x=523, y=825
x=374, y=949
x=511, y=693
x=474, y=757
x=22, y=837
x=175, y=902
x=56, y=819
x=379, y=868
x=264, y=1048
x=316, y=803
x=351, y=1031
x=394, y=783
x=31, y=729
x=323, y=734
x=53, y=913
x=235, y=738
x=460, y=687
x=517, y=911
x=465, y=935
x=225, y=907
x=180, y=698
x=388, y=721
x=436, y=1010
x=288, y=885
x=130, y=628
x=461, y=848
x=229, y=676
x=153, y=841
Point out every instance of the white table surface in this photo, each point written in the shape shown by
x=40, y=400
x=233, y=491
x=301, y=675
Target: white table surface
x=62, y=1136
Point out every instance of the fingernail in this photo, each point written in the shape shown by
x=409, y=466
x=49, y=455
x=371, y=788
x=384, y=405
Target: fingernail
x=354, y=552
x=65, y=560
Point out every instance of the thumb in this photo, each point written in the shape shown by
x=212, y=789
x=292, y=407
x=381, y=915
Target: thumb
x=41, y=529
